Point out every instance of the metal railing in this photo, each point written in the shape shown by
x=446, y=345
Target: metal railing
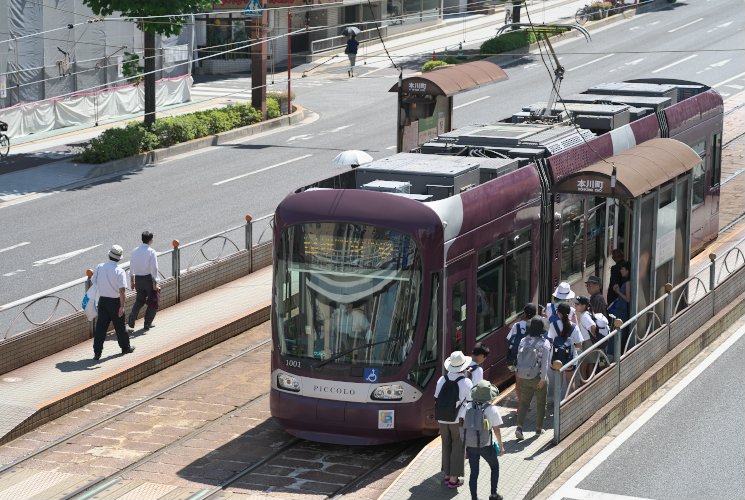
x=337, y=42
x=43, y=308
x=642, y=340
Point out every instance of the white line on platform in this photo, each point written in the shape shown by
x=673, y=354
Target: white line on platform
x=471, y=102
x=15, y=246
x=728, y=80
x=675, y=63
x=59, y=258
x=589, y=467
x=685, y=25
x=261, y=170
x=590, y=62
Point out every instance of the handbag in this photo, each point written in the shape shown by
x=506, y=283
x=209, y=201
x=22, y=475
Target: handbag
x=153, y=299
x=89, y=303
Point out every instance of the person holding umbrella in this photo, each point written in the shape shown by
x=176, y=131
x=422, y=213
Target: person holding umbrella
x=351, y=50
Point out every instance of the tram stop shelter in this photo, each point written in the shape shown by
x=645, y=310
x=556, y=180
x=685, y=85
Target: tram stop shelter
x=649, y=188
x=425, y=102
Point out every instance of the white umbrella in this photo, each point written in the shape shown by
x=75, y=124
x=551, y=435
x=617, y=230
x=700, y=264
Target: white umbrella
x=352, y=157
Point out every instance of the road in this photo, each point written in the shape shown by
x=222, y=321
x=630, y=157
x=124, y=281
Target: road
x=686, y=446
x=52, y=239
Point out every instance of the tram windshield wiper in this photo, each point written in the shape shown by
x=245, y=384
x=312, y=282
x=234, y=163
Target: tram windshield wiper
x=363, y=346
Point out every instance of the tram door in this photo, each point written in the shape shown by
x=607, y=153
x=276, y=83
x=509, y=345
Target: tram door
x=460, y=318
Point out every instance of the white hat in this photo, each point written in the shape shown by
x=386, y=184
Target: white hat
x=457, y=362
x=563, y=291
x=116, y=252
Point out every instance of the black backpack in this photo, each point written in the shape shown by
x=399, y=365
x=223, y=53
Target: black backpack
x=447, y=402
x=514, y=345
x=562, y=350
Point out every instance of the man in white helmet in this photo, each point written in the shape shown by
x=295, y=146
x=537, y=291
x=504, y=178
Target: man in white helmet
x=111, y=281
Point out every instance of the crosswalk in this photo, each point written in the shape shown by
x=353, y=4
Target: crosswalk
x=239, y=89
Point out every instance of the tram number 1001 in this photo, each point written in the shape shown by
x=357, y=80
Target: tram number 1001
x=293, y=363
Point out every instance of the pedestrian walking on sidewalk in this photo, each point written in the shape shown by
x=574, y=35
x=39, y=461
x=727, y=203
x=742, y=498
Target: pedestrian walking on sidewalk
x=451, y=394
x=480, y=422
x=143, y=269
x=351, y=52
x=533, y=358
x=518, y=332
x=111, y=281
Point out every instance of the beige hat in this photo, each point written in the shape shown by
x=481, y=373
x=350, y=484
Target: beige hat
x=457, y=362
x=563, y=291
x=116, y=252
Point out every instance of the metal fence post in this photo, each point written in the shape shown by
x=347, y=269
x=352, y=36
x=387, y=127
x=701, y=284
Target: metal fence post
x=88, y=284
x=713, y=281
x=250, y=243
x=557, y=400
x=668, y=311
x=176, y=268
x=617, y=351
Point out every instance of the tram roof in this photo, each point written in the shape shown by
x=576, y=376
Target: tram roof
x=451, y=80
x=637, y=170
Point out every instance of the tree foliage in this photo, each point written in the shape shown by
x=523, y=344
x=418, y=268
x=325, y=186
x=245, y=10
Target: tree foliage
x=175, y=10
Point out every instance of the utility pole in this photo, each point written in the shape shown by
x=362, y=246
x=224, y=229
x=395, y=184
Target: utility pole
x=258, y=61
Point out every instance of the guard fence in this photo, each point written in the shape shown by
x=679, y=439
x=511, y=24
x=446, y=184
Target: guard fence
x=50, y=321
x=643, y=340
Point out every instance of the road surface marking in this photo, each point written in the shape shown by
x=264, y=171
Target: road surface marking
x=17, y=271
x=728, y=80
x=589, y=467
x=685, y=25
x=262, y=170
x=391, y=147
x=15, y=246
x=472, y=102
x=59, y=258
x=675, y=63
x=590, y=62
x=578, y=494
x=719, y=64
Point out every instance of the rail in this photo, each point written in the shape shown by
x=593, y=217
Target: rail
x=643, y=340
x=36, y=311
x=337, y=42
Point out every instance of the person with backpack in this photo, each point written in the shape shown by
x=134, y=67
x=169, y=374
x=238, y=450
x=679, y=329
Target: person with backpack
x=480, y=421
x=478, y=355
x=565, y=338
x=562, y=295
x=593, y=327
x=533, y=360
x=451, y=394
x=517, y=333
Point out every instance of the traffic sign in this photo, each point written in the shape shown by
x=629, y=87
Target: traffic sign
x=253, y=8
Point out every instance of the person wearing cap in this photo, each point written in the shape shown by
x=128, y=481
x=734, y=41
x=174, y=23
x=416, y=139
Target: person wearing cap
x=143, y=268
x=111, y=281
x=562, y=294
x=478, y=355
x=529, y=311
x=482, y=396
x=533, y=361
x=453, y=459
x=595, y=288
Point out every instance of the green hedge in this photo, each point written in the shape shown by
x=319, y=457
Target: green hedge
x=430, y=65
x=513, y=40
x=116, y=143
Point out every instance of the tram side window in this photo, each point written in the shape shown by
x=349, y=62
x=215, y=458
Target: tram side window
x=572, y=241
x=518, y=274
x=716, y=160
x=460, y=313
x=422, y=374
x=489, y=293
x=699, y=174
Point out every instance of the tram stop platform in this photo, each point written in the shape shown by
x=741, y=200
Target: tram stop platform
x=51, y=387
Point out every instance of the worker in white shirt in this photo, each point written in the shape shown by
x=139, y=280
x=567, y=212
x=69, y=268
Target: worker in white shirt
x=143, y=269
x=111, y=281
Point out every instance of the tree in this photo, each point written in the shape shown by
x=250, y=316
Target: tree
x=139, y=11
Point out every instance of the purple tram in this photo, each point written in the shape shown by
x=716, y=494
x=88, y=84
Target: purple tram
x=380, y=272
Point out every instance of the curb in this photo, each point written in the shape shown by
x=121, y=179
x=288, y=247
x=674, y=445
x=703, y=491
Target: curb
x=134, y=373
x=578, y=442
x=137, y=162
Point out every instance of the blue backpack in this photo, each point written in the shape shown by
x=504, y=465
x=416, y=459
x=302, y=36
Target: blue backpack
x=514, y=344
x=562, y=347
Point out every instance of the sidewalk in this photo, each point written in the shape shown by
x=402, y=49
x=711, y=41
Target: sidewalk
x=53, y=386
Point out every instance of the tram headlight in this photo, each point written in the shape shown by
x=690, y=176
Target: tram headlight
x=391, y=392
x=288, y=382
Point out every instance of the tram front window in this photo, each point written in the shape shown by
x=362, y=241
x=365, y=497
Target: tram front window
x=347, y=293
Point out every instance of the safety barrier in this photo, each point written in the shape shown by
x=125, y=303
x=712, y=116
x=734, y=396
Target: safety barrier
x=51, y=321
x=643, y=340
x=337, y=42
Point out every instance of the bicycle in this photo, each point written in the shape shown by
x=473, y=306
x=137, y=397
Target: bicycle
x=582, y=15
x=508, y=13
x=4, y=140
